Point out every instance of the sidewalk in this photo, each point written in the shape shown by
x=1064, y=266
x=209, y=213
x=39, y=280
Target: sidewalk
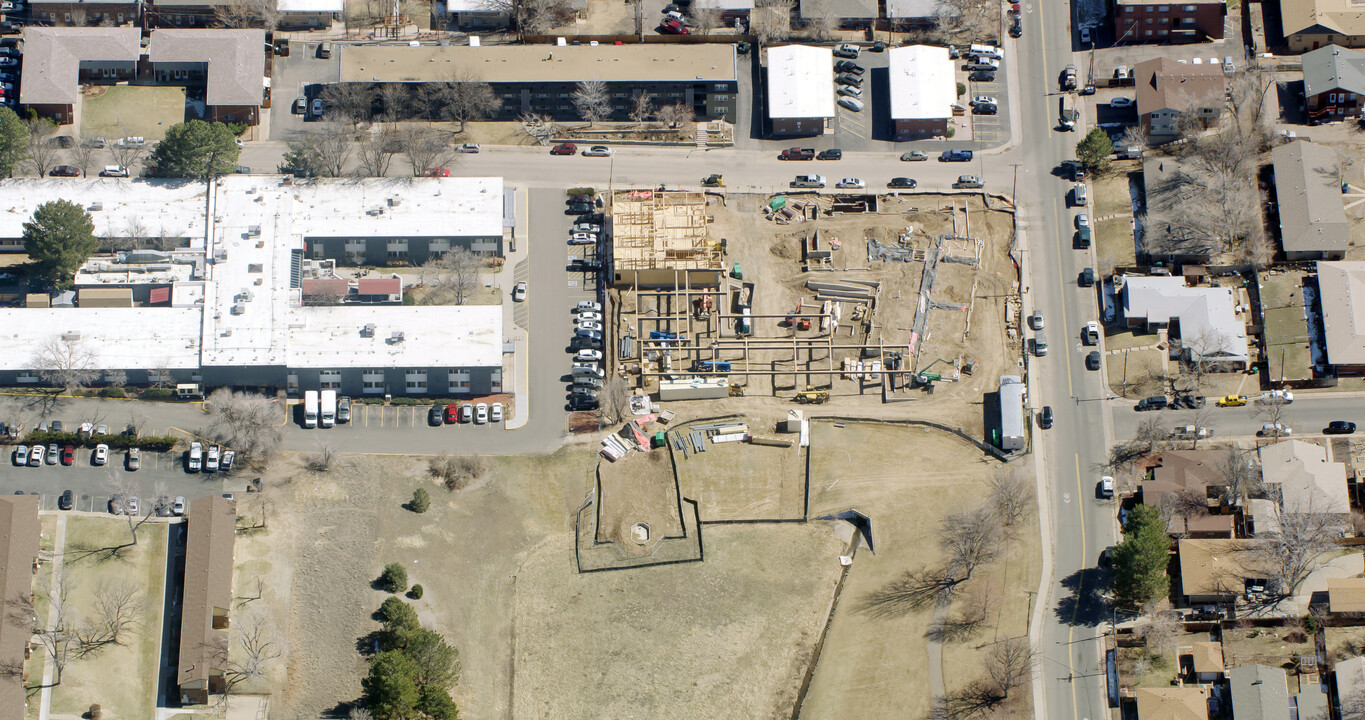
x=517, y=264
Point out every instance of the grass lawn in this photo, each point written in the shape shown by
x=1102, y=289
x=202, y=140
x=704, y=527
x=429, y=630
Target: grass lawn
x=1114, y=244
x=130, y=692
x=1344, y=643
x=1158, y=674
x=1286, y=327
x=115, y=111
x=1125, y=339
x=1111, y=190
x=1136, y=373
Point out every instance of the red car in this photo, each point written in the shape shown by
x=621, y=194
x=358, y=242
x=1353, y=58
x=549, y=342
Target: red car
x=65, y=171
x=452, y=414
x=564, y=149
x=68, y=454
x=438, y=172
x=673, y=27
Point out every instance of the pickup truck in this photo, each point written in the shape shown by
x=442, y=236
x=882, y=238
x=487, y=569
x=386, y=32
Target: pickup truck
x=1068, y=113
x=809, y=181
x=1191, y=432
x=797, y=153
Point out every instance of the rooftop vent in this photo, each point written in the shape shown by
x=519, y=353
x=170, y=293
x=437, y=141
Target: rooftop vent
x=395, y=338
x=72, y=336
x=367, y=331
x=96, y=206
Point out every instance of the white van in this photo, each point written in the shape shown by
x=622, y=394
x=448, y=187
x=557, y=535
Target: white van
x=986, y=51
x=114, y=171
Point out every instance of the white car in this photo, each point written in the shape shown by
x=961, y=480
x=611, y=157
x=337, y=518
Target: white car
x=592, y=326
x=586, y=227
x=480, y=413
x=226, y=463
x=1276, y=397
x=588, y=305
x=469, y=148
x=196, y=456
x=35, y=455
x=211, y=459
x=178, y=507
x=849, y=103
x=984, y=100
x=495, y=412
x=130, y=505
x=851, y=184
x=588, y=356
x=1082, y=220
x=1275, y=430
x=1106, y=487
x=597, y=151
x=850, y=91
x=101, y=454
x=582, y=238
x=519, y=292
x=1091, y=336
x=589, y=316
x=1121, y=102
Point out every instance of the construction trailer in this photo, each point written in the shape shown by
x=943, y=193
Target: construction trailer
x=1012, y=429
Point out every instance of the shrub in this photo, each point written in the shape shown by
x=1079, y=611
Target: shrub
x=416, y=592
x=581, y=191
x=961, y=89
x=457, y=471
x=951, y=131
x=396, y=614
x=394, y=579
x=421, y=502
x=157, y=394
x=96, y=712
x=112, y=392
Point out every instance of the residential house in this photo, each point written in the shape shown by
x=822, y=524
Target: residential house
x=801, y=90
x=1205, y=319
x=1143, y=21
x=1313, y=222
x=308, y=14
x=1311, y=24
x=1207, y=661
x=1190, y=472
x=1261, y=692
x=1346, y=597
x=916, y=14
x=1350, y=679
x=207, y=605
x=923, y=91
x=475, y=15
x=1218, y=570
x=1168, y=90
x=57, y=61
x=80, y=13
x=852, y=14
x=1299, y=474
x=1333, y=83
x=228, y=64
x=1173, y=703
x=19, y=536
x=1341, y=294
x=542, y=79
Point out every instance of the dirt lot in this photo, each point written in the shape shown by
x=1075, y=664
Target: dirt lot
x=976, y=300
x=738, y=481
x=89, y=568
x=1274, y=646
x=1286, y=325
x=872, y=649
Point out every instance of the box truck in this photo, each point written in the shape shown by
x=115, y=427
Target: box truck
x=329, y=408
x=310, y=409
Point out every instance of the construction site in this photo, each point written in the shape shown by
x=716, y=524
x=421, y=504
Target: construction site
x=807, y=297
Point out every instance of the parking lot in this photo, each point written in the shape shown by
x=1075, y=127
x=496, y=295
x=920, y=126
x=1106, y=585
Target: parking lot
x=160, y=474
x=300, y=74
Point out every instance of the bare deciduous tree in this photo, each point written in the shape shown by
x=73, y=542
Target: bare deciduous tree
x=1204, y=353
x=118, y=608
x=1293, y=551
x=253, y=649
x=348, y=102
x=247, y=14
x=614, y=400
x=1012, y=497
x=395, y=101
x=532, y=17
x=969, y=539
x=53, y=629
x=1151, y=434
x=1241, y=474
x=329, y=146
x=592, y=100
x=375, y=151
x=821, y=21
x=321, y=461
x=1161, y=632
x=770, y=20
x=83, y=156
x=468, y=98
x=127, y=155
x=643, y=108
x=43, y=152
x=676, y=114
x=1009, y=664
x=451, y=278
x=128, y=485
x=705, y=19
x=247, y=422
x=1186, y=504
x=63, y=361
x=426, y=148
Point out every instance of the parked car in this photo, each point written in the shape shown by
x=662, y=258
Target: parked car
x=229, y=456
x=519, y=292
x=130, y=506
x=35, y=455
x=597, y=151
x=67, y=500
x=850, y=91
x=852, y=104
x=848, y=79
x=211, y=459
x=1105, y=489
x=589, y=325
x=673, y=27
x=1035, y=321
x=982, y=76
x=69, y=455
x=851, y=184
x=1339, y=427
x=466, y=412
x=1091, y=334
x=133, y=461
x=1232, y=401
x=1082, y=220
x=317, y=107
x=343, y=410
x=1276, y=397
x=586, y=227
x=1155, y=402
x=588, y=316
x=452, y=415
x=956, y=156
x=196, y=457
x=848, y=66
x=588, y=356
x=579, y=209
x=831, y=154
x=300, y=105
x=495, y=412
x=468, y=148
x=178, y=505
x=582, y=238
x=101, y=455
x=1045, y=419
x=1016, y=27
x=65, y=171
x=902, y=182
x=984, y=100
x=1121, y=102
x=1092, y=360
x=1274, y=430
x=914, y=156
x=847, y=50
x=116, y=504
x=438, y=172
x=481, y=413
x=588, y=305
x=564, y=149
x=54, y=452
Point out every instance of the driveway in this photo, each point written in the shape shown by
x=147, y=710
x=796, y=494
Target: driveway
x=301, y=74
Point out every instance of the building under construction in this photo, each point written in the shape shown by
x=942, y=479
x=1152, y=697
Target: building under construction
x=660, y=240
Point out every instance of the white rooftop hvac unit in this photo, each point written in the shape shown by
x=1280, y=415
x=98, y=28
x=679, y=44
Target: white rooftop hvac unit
x=395, y=338
x=72, y=336
x=367, y=331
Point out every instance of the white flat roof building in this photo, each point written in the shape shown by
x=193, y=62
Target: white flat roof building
x=922, y=83
x=234, y=303
x=800, y=82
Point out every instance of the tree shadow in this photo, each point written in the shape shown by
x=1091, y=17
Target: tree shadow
x=78, y=552
x=1085, y=605
x=953, y=629
x=915, y=590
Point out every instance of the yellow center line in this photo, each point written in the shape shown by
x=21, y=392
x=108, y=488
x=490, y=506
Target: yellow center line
x=1080, y=591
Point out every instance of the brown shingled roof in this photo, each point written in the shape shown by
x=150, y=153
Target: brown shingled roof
x=208, y=590
x=1346, y=595
x=19, y=534
x=1166, y=84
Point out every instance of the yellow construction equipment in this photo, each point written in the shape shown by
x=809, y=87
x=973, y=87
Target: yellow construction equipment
x=812, y=397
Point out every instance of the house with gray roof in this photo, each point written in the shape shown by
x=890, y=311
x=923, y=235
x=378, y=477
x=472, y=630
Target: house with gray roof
x=230, y=64
x=1341, y=294
x=1259, y=692
x=1333, y=83
x=1313, y=222
x=57, y=61
x=1205, y=319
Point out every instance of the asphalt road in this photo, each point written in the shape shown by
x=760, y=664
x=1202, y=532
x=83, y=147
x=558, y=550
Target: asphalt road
x=1307, y=415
